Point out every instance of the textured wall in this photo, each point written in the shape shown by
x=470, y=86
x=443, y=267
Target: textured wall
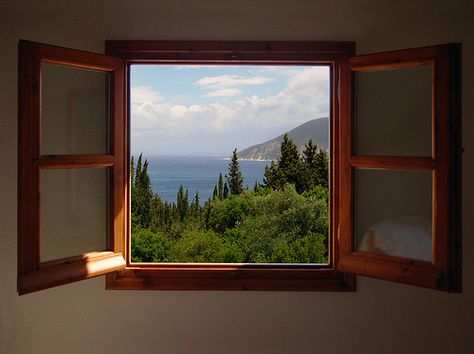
x=380, y=317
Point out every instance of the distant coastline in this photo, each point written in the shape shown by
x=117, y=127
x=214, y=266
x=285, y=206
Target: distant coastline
x=197, y=173
x=245, y=159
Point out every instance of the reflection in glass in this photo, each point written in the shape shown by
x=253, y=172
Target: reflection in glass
x=393, y=213
x=74, y=116
x=393, y=112
x=73, y=212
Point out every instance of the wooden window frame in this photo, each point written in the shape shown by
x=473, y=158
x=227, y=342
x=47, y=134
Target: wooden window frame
x=444, y=273
x=290, y=277
x=33, y=274
x=445, y=270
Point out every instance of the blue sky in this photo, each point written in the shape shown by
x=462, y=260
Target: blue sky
x=210, y=110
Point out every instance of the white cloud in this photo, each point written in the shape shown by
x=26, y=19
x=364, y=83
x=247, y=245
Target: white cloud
x=226, y=92
x=218, y=127
x=144, y=95
x=217, y=82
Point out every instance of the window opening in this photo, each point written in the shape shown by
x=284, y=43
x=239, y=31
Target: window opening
x=229, y=163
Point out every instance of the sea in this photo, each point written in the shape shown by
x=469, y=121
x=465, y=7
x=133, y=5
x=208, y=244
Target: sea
x=197, y=173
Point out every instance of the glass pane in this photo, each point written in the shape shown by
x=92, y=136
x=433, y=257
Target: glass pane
x=393, y=213
x=73, y=212
x=74, y=117
x=393, y=112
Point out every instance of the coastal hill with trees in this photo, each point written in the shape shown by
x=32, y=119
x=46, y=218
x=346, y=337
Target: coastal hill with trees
x=282, y=220
x=315, y=130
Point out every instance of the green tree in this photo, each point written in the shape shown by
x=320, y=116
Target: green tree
x=195, y=204
x=287, y=169
x=200, y=246
x=271, y=231
x=226, y=190
x=234, y=178
x=141, y=194
x=215, y=193
x=182, y=203
x=149, y=247
x=315, y=167
x=220, y=187
x=132, y=171
x=225, y=214
x=322, y=168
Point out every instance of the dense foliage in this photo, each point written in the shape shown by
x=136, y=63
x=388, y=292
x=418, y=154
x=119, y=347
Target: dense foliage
x=285, y=220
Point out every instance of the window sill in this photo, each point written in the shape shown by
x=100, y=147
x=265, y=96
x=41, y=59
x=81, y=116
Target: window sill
x=225, y=277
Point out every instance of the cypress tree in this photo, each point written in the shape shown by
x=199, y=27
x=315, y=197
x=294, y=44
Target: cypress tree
x=220, y=187
x=186, y=204
x=234, y=178
x=132, y=172
x=309, y=153
x=214, y=193
x=195, y=204
x=142, y=194
x=289, y=162
x=310, y=176
x=287, y=169
x=322, y=168
x=272, y=177
x=182, y=203
x=139, y=166
x=226, y=190
x=315, y=166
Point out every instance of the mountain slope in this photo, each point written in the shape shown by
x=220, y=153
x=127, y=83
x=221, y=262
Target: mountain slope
x=316, y=129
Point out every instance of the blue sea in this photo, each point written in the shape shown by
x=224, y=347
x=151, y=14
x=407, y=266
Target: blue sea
x=200, y=173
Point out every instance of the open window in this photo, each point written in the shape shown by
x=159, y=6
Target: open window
x=400, y=167
x=74, y=168
x=71, y=221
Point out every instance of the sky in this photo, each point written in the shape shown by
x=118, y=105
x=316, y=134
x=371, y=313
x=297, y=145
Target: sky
x=210, y=110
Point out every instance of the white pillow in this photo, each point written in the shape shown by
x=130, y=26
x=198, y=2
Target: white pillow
x=407, y=237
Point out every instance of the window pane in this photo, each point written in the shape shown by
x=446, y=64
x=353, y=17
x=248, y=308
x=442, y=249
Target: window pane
x=393, y=212
x=74, y=117
x=73, y=212
x=393, y=111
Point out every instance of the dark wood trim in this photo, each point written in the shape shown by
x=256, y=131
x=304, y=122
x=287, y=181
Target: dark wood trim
x=455, y=168
x=73, y=58
x=394, y=269
x=395, y=59
x=153, y=278
x=127, y=47
x=117, y=183
x=228, y=52
x=75, y=161
x=28, y=149
x=346, y=177
x=442, y=156
x=394, y=162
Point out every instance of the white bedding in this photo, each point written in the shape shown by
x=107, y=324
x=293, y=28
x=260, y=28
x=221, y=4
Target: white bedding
x=407, y=237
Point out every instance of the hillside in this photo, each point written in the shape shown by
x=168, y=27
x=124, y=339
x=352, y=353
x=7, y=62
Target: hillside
x=316, y=129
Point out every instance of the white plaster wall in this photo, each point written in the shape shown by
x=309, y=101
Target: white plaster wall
x=380, y=317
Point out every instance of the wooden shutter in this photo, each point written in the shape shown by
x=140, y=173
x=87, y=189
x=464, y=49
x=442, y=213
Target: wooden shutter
x=60, y=161
x=388, y=166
